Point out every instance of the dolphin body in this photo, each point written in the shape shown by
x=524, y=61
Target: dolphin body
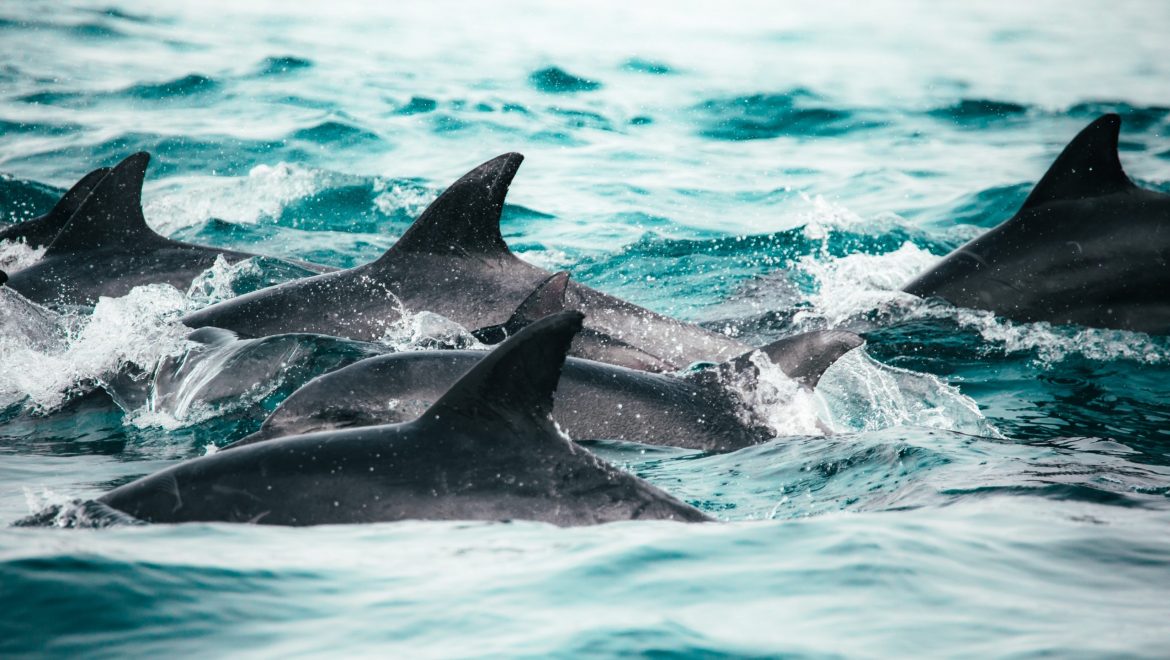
x=1088, y=247
x=107, y=249
x=486, y=450
x=802, y=357
x=595, y=400
x=235, y=377
x=41, y=231
x=453, y=261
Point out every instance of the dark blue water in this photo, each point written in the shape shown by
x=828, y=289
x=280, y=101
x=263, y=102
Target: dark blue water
x=989, y=488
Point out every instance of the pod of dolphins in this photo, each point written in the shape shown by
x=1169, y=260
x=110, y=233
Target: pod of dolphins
x=485, y=435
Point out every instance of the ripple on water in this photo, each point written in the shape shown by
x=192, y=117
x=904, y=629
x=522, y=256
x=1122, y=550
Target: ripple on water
x=280, y=65
x=22, y=200
x=987, y=207
x=335, y=133
x=796, y=113
x=8, y=127
x=193, y=84
x=979, y=113
x=178, y=154
x=652, y=67
x=1133, y=117
x=555, y=80
x=417, y=105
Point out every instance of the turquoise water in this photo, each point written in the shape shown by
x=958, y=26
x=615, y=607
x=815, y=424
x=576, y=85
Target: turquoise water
x=989, y=488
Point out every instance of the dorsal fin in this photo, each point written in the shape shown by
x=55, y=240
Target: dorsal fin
x=73, y=198
x=41, y=230
x=546, y=299
x=465, y=219
x=112, y=214
x=515, y=383
x=804, y=357
x=1089, y=166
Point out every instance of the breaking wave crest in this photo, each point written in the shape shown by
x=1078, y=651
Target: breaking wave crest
x=16, y=255
x=131, y=333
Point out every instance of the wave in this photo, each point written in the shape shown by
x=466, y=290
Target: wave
x=648, y=66
x=336, y=134
x=173, y=155
x=282, y=65
x=23, y=200
x=192, y=84
x=554, y=80
x=979, y=113
x=795, y=113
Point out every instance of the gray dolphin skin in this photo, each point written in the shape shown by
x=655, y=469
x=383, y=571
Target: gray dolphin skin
x=218, y=371
x=1088, y=247
x=802, y=357
x=453, y=261
x=41, y=231
x=595, y=400
x=486, y=450
x=107, y=249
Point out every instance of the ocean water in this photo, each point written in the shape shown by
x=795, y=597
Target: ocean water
x=986, y=488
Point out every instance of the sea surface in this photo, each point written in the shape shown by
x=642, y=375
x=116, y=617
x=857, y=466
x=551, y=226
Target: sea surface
x=988, y=488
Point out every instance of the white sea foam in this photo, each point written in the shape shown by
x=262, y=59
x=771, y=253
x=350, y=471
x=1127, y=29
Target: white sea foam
x=131, y=332
x=860, y=284
x=264, y=194
x=428, y=331
x=219, y=282
x=18, y=255
x=824, y=216
x=1053, y=344
x=862, y=394
x=549, y=259
x=866, y=285
x=392, y=197
x=771, y=396
x=27, y=324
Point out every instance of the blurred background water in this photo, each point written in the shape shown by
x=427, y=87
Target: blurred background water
x=990, y=488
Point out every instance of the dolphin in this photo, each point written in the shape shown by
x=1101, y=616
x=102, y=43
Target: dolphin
x=41, y=231
x=594, y=401
x=232, y=377
x=453, y=261
x=107, y=249
x=802, y=357
x=1088, y=247
x=486, y=450
x=551, y=296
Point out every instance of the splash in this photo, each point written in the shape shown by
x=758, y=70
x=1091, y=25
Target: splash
x=394, y=197
x=428, y=331
x=219, y=282
x=862, y=394
x=868, y=287
x=826, y=216
x=18, y=255
x=770, y=396
x=26, y=324
x=290, y=195
x=222, y=376
x=859, y=285
x=264, y=193
x=127, y=334
x=56, y=511
x=547, y=258
x=1052, y=344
